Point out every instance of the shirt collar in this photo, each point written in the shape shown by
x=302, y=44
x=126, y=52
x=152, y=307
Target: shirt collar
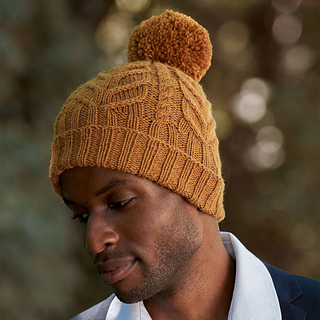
x=254, y=295
x=123, y=311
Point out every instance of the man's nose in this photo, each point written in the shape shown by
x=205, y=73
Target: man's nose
x=99, y=234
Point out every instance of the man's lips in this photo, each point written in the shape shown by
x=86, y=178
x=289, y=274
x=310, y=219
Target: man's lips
x=115, y=270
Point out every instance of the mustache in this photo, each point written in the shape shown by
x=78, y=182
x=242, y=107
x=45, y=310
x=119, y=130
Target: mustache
x=105, y=256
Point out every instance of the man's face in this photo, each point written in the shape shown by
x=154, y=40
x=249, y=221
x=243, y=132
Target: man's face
x=144, y=238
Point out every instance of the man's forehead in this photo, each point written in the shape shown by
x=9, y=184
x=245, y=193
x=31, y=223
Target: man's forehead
x=99, y=174
x=101, y=180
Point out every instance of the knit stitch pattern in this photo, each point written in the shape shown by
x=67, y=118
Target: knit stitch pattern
x=145, y=118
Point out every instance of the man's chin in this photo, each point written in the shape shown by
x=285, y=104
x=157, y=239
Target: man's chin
x=128, y=299
x=134, y=295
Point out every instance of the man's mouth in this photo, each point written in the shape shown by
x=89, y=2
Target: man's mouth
x=115, y=270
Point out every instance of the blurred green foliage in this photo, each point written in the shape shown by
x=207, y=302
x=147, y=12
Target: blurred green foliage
x=270, y=163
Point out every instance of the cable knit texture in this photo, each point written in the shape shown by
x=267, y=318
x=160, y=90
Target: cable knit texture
x=149, y=118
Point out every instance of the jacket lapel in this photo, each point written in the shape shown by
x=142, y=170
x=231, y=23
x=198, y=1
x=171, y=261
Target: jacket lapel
x=288, y=290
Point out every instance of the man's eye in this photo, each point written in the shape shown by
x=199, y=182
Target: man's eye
x=83, y=218
x=119, y=204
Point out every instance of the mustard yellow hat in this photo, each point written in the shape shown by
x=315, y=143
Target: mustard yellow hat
x=148, y=117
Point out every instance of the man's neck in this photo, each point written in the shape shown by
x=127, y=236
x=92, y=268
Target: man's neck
x=204, y=291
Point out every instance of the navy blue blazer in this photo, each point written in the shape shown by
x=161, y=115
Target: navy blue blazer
x=299, y=297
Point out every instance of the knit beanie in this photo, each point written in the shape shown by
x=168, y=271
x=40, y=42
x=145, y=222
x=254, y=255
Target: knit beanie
x=148, y=117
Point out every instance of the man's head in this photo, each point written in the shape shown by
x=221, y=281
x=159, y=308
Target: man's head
x=144, y=238
x=148, y=117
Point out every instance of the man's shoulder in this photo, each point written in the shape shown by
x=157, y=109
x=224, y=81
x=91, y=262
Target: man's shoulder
x=284, y=279
x=296, y=293
x=309, y=286
x=97, y=312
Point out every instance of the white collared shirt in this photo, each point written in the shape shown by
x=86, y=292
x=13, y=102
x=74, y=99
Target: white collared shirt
x=254, y=295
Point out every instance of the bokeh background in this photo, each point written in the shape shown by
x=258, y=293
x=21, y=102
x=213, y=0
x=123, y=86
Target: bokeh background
x=264, y=87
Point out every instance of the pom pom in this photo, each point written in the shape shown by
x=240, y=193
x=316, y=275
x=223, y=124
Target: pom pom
x=174, y=39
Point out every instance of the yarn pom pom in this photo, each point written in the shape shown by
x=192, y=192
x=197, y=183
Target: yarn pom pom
x=174, y=39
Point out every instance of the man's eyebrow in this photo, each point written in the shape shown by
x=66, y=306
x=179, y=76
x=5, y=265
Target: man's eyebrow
x=111, y=184
x=66, y=201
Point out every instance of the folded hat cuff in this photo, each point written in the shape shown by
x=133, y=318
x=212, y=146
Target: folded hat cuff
x=134, y=152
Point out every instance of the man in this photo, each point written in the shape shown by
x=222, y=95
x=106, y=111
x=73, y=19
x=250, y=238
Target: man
x=136, y=158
